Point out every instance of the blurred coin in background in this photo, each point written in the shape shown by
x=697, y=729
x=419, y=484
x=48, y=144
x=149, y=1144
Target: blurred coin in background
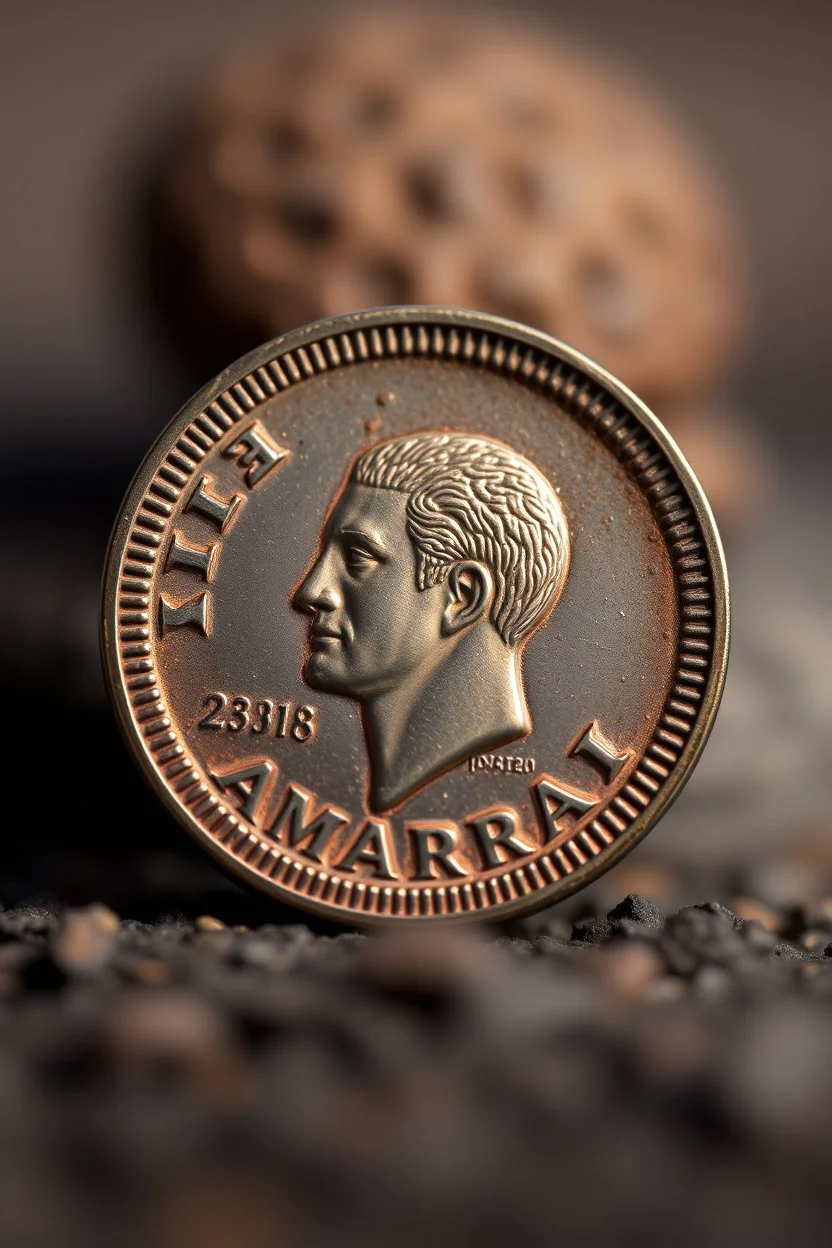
x=392, y=158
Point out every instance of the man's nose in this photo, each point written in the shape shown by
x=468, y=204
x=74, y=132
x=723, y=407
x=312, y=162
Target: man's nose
x=316, y=591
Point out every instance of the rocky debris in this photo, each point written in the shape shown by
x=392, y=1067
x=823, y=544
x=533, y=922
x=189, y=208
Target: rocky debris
x=85, y=939
x=646, y=1078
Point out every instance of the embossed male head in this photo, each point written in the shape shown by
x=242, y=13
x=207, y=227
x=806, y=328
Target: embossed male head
x=440, y=556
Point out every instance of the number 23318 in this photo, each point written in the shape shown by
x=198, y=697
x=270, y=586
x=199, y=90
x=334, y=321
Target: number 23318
x=236, y=713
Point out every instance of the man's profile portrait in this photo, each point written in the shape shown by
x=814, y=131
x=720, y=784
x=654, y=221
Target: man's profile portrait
x=440, y=556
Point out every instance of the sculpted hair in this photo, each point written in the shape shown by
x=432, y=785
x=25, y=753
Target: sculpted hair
x=474, y=498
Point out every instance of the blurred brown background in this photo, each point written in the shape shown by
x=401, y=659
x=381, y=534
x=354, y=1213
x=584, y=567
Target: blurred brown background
x=87, y=86
x=89, y=89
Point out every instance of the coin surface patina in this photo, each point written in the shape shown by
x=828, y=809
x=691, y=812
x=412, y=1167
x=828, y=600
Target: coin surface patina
x=415, y=615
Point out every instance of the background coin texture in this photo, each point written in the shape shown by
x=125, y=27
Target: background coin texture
x=420, y=158
x=397, y=158
x=205, y=651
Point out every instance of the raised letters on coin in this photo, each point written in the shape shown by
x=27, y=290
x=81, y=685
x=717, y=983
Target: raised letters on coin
x=416, y=614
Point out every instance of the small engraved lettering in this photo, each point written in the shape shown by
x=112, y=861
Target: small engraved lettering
x=372, y=848
x=201, y=559
x=296, y=822
x=217, y=703
x=236, y=712
x=262, y=721
x=433, y=844
x=194, y=613
x=303, y=725
x=495, y=829
x=555, y=800
x=515, y=763
x=254, y=450
x=240, y=717
x=594, y=746
x=248, y=783
x=220, y=511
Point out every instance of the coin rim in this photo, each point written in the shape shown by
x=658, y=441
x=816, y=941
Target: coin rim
x=463, y=320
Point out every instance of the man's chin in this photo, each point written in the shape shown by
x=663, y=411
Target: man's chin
x=320, y=673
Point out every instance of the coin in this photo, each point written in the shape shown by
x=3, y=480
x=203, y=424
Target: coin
x=415, y=614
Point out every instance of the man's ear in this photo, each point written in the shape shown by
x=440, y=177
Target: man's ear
x=469, y=591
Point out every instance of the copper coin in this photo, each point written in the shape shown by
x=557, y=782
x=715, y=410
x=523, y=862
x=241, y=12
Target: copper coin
x=416, y=614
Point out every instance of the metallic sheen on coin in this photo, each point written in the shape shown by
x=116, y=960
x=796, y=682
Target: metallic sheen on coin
x=416, y=614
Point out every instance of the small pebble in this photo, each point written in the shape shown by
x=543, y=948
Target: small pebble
x=86, y=939
x=207, y=923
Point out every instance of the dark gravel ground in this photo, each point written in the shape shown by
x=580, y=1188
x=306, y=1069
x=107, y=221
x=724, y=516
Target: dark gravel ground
x=621, y=1078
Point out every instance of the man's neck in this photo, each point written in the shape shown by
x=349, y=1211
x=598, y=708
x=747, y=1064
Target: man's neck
x=471, y=701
